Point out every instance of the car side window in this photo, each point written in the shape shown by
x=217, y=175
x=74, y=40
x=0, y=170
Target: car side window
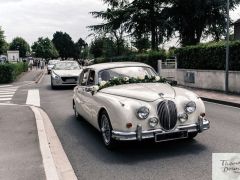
x=84, y=77
x=91, y=78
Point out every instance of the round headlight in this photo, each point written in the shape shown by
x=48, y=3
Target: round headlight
x=153, y=122
x=190, y=107
x=142, y=113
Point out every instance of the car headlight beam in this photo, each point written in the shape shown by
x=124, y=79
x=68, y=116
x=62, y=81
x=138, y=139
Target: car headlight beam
x=143, y=113
x=190, y=107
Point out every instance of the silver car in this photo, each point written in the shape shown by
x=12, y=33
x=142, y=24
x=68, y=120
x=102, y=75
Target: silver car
x=65, y=73
x=50, y=65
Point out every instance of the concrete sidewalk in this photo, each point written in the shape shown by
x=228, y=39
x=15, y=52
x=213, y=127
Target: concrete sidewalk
x=20, y=156
x=31, y=75
x=217, y=97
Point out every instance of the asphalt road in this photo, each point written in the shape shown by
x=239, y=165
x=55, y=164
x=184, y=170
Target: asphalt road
x=176, y=160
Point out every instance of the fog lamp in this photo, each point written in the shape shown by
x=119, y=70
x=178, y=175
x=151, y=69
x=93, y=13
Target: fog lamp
x=183, y=117
x=153, y=122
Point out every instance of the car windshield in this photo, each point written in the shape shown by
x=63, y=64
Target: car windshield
x=135, y=72
x=67, y=66
x=53, y=62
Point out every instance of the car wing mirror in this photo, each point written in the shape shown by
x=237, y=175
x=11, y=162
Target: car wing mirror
x=92, y=89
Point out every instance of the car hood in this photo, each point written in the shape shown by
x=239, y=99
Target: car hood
x=67, y=73
x=142, y=91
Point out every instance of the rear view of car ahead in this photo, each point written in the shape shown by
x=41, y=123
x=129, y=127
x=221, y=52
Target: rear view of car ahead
x=65, y=73
x=50, y=65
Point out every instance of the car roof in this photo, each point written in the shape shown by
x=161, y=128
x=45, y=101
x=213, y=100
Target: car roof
x=102, y=66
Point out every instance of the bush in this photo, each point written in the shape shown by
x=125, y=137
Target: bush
x=211, y=56
x=9, y=72
x=151, y=58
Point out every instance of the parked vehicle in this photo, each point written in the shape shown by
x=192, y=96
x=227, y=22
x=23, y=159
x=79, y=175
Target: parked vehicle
x=50, y=65
x=126, y=102
x=65, y=73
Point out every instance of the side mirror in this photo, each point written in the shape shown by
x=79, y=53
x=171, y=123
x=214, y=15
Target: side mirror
x=92, y=89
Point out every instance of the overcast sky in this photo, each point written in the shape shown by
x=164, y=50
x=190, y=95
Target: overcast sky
x=31, y=19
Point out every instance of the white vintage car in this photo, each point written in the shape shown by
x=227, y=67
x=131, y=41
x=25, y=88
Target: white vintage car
x=127, y=101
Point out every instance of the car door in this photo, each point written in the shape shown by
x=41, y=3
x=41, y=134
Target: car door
x=88, y=97
x=80, y=100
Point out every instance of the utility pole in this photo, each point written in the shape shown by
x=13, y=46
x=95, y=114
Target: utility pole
x=227, y=51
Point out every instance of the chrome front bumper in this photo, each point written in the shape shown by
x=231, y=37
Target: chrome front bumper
x=202, y=125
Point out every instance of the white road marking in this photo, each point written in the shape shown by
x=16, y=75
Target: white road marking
x=33, y=97
x=11, y=93
x=6, y=86
x=5, y=99
x=7, y=92
x=55, y=161
x=6, y=95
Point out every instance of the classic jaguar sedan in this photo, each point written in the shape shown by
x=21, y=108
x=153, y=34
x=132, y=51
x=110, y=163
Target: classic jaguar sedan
x=129, y=101
x=65, y=73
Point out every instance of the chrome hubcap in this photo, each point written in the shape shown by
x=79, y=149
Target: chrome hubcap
x=105, y=128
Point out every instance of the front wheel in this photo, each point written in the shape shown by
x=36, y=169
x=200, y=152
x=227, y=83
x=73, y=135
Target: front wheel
x=76, y=114
x=52, y=86
x=106, y=130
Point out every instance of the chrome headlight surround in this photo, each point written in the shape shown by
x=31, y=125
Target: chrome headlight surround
x=143, y=113
x=190, y=107
x=55, y=76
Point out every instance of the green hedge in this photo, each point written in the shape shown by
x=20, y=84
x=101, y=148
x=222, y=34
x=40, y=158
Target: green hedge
x=9, y=72
x=151, y=58
x=211, y=56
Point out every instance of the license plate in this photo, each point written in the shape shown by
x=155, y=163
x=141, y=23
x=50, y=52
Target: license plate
x=70, y=81
x=170, y=136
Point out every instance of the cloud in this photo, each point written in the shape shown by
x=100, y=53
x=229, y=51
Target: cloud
x=31, y=19
x=10, y=1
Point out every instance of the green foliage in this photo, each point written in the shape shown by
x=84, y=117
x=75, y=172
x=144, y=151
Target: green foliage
x=64, y=45
x=9, y=72
x=81, y=48
x=44, y=48
x=20, y=45
x=161, y=19
x=151, y=58
x=3, y=43
x=131, y=80
x=209, y=56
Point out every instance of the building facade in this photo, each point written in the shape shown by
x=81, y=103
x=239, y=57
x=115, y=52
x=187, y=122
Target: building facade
x=13, y=56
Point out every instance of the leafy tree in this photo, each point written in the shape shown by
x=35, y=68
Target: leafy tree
x=113, y=27
x=3, y=43
x=64, y=44
x=44, y=48
x=161, y=19
x=21, y=45
x=102, y=47
x=142, y=44
x=80, y=49
x=193, y=19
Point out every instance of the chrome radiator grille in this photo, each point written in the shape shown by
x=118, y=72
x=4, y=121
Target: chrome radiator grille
x=167, y=114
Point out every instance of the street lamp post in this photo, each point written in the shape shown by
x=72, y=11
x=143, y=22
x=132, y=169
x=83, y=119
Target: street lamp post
x=227, y=51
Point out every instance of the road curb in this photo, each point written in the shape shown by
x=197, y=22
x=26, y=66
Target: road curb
x=39, y=78
x=227, y=103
